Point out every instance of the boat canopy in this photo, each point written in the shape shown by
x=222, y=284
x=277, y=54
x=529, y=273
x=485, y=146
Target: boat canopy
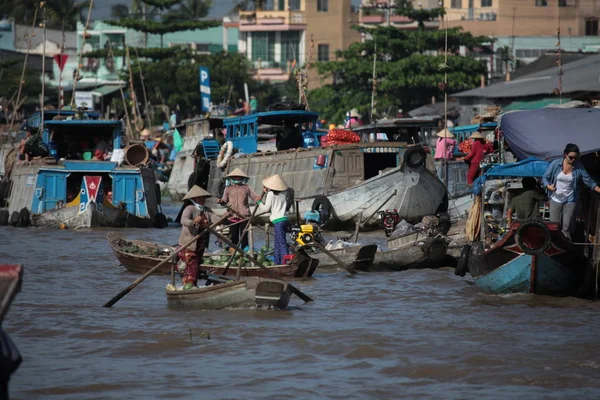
x=295, y=125
x=462, y=132
x=34, y=120
x=544, y=133
x=59, y=135
x=528, y=167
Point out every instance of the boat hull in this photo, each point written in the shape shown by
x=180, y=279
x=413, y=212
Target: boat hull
x=71, y=218
x=506, y=268
x=359, y=257
x=428, y=253
x=249, y=293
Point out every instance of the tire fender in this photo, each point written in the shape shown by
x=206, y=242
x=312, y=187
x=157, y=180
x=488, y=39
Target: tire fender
x=462, y=267
x=414, y=157
x=322, y=203
x=225, y=154
x=547, y=237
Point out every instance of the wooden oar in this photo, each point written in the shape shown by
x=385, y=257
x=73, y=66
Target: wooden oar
x=261, y=266
x=256, y=226
x=348, y=268
x=129, y=288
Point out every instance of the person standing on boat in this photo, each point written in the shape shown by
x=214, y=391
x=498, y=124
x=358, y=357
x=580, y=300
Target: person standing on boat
x=236, y=195
x=562, y=179
x=444, y=150
x=194, y=218
x=525, y=202
x=275, y=203
x=479, y=149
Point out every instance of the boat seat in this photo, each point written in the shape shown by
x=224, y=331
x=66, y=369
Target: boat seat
x=211, y=149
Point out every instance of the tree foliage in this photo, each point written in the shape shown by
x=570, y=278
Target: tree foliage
x=141, y=52
x=161, y=28
x=58, y=12
x=410, y=68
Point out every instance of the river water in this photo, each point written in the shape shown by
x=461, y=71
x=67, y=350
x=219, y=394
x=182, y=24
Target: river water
x=415, y=334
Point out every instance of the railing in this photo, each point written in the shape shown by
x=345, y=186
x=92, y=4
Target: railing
x=272, y=17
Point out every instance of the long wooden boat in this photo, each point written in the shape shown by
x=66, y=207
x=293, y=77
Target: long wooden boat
x=139, y=256
x=413, y=251
x=359, y=257
x=248, y=293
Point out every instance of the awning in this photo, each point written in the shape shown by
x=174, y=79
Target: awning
x=533, y=104
x=529, y=167
x=105, y=90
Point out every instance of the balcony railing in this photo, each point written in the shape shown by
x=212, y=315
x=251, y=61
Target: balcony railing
x=271, y=17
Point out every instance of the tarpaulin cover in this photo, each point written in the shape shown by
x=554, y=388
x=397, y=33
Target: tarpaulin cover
x=528, y=167
x=544, y=133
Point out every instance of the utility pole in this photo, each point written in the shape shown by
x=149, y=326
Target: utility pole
x=43, y=4
x=512, y=44
x=144, y=19
x=374, y=82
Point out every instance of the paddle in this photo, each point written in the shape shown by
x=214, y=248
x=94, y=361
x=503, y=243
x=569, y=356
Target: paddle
x=260, y=265
x=129, y=288
x=348, y=268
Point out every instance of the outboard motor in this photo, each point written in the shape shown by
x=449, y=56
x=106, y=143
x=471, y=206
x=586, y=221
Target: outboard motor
x=388, y=219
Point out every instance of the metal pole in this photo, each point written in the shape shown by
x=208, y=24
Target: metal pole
x=445, y=161
x=374, y=82
x=43, y=65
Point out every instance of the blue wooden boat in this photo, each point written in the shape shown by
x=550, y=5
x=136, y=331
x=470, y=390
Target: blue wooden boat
x=533, y=257
x=59, y=191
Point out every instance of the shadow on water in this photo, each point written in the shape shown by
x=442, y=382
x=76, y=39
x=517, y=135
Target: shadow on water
x=412, y=334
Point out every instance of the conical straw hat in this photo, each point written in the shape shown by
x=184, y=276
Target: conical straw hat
x=145, y=133
x=445, y=133
x=196, y=191
x=477, y=135
x=275, y=182
x=237, y=172
x=354, y=113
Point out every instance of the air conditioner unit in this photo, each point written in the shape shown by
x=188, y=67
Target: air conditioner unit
x=493, y=16
x=482, y=16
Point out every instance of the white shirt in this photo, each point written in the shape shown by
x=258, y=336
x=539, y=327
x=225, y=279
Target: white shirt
x=564, y=187
x=276, y=204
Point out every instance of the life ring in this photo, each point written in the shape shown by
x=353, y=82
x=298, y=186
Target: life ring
x=415, y=156
x=533, y=237
x=225, y=154
x=323, y=205
x=462, y=267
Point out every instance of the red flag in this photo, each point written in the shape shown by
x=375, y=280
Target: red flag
x=61, y=60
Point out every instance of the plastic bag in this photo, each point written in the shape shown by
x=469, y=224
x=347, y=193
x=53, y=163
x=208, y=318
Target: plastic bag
x=402, y=229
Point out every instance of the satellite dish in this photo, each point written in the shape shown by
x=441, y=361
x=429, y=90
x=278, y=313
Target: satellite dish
x=87, y=47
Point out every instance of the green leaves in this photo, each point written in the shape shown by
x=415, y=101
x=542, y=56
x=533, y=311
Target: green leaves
x=160, y=28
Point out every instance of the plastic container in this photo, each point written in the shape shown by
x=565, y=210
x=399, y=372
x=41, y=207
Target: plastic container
x=136, y=154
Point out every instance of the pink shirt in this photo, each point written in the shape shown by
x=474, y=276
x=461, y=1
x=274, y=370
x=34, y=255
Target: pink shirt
x=444, y=148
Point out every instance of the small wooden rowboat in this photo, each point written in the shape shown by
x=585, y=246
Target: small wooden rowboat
x=413, y=251
x=248, y=293
x=139, y=257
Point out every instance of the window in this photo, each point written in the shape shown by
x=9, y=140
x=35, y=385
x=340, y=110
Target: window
x=263, y=46
x=486, y=3
x=562, y=3
x=295, y=5
x=456, y=4
x=541, y=3
x=591, y=27
x=323, y=5
x=323, y=52
x=290, y=46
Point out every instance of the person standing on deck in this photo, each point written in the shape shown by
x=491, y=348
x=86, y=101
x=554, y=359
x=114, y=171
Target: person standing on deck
x=562, y=179
x=276, y=204
x=236, y=195
x=479, y=150
x=525, y=202
x=444, y=150
x=194, y=219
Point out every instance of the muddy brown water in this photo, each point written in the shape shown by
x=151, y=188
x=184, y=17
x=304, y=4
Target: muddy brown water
x=416, y=334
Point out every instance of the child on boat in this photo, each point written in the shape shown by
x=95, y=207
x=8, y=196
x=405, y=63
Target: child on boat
x=194, y=219
x=276, y=204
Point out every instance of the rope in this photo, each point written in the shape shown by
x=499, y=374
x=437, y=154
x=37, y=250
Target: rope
x=12, y=119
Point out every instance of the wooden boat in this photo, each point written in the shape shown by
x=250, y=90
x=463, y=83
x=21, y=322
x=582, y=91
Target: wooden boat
x=359, y=257
x=413, y=251
x=146, y=255
x=533, y=257
x=248, y=293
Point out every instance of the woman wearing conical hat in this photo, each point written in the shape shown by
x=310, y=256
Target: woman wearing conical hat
x=444, y=150
x=479, y=149
x=194, y=218
x=236, y=196
x=276, y=204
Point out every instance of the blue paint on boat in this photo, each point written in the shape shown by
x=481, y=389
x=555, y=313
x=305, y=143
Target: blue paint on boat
x=515, y=277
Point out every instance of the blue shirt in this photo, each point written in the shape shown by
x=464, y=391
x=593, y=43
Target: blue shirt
x=579, y=175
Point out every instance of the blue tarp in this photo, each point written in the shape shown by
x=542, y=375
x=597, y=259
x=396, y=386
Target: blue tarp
x=528, y=167
x=472, y=128
x=544, y=133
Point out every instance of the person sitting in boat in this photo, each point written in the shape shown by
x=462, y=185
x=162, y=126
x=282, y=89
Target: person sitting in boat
x=32, y=146
x=145, y=136
x=100, y=144
x=354, y=120
x=236, y=195
x=275, y=203
x=563, y=178
x=444, y=150
x=525, y=202
x=194, y=218
x=98, y=155
x=479, y=149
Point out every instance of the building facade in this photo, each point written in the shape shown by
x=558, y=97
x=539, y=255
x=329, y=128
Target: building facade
x=288, y=33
